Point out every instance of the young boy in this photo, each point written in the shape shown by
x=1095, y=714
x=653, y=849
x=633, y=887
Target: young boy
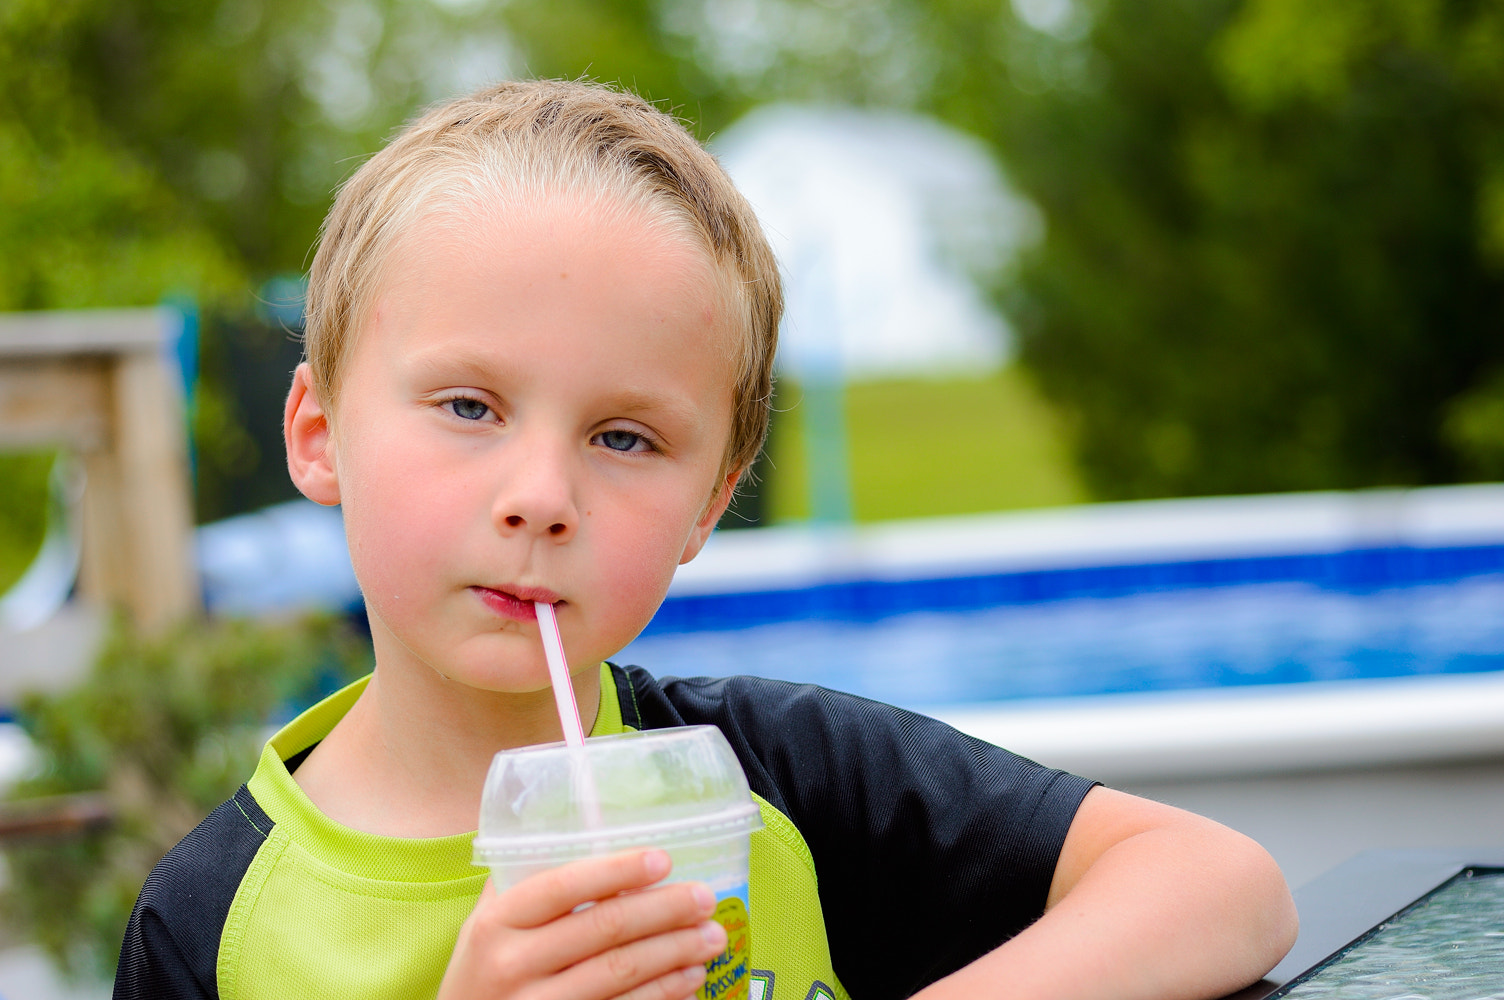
x=540, y=334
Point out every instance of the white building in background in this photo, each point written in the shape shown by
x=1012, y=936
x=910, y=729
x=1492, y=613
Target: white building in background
x=889, y=226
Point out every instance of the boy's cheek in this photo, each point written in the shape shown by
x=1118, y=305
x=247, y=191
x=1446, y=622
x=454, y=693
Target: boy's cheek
x=399, y=535
x=637, y=572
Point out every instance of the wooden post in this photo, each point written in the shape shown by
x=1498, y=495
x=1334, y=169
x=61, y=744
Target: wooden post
x=98, y=382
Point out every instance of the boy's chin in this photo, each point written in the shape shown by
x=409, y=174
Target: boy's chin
x=494, y=675
x=494, y=679
x=502, y=663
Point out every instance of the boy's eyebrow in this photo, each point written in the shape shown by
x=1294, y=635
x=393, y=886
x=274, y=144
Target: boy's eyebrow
x=676, y=408
x=447, y=363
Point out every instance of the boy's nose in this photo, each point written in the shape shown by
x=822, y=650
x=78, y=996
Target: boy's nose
x=537, y=498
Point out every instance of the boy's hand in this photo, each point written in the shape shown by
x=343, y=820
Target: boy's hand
x=529, y=943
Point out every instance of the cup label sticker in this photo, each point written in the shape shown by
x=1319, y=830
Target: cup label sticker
x=726, y=975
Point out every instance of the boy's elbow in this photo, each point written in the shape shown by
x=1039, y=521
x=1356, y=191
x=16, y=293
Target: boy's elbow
x=1272, y=920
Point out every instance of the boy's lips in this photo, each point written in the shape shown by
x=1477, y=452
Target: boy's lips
x=515, y=602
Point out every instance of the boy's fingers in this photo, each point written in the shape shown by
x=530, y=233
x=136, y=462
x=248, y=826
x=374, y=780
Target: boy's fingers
x=639, y=916
x=660, y=959
x=677, y=985
x=551, y=894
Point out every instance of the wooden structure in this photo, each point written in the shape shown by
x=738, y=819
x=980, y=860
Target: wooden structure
x=54, y=816
x=99, y=383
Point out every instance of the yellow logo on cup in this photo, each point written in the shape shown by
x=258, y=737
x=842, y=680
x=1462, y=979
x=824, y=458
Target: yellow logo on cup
x=726, y=974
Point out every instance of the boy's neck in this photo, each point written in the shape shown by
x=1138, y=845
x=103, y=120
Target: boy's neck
x=411, y=755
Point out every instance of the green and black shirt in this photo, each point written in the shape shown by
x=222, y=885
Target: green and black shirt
x=895, y=850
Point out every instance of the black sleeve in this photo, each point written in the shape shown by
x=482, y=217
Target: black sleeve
x=172, y=941
x=931, y=847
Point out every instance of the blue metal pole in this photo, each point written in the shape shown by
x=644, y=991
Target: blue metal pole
x=183, y=348
x=829, y=459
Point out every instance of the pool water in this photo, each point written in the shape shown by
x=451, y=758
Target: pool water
x=1156, y=640
x=1450, y=946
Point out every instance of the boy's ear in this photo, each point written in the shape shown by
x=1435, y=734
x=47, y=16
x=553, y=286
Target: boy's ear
x=310, y=445
x=713, y=511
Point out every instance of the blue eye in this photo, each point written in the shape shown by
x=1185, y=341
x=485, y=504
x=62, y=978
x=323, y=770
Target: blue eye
x=621, y=440
x=469, y=409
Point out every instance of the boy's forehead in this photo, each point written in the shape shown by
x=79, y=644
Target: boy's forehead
x=578, y=246
x=558, y=238
x=550, y=260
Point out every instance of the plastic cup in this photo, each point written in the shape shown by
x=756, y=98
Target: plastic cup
x=681, y=790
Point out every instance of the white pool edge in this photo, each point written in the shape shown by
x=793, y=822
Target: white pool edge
x=1266, y=729
x=1097, y=534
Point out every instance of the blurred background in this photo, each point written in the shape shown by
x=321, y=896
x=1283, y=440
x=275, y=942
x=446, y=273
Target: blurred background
x=1139, y=356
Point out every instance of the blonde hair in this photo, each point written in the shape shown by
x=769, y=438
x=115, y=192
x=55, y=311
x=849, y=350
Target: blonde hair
x=524, y=140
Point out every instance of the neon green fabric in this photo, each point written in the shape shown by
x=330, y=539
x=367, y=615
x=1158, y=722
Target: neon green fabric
x=325, y=911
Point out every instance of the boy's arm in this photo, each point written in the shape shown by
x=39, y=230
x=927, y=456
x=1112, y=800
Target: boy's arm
x=1147, y=901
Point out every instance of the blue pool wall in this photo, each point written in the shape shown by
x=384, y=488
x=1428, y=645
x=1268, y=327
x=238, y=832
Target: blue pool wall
x=1352, y=571
x=1341, y=542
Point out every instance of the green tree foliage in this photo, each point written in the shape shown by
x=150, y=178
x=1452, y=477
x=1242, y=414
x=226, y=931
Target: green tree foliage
x=197, y=145
x=1272, y=259
x=170, y=145
x=167, y=727
x=86, y=220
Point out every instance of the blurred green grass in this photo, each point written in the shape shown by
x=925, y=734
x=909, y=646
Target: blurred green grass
x=930, y=447
x=23, y=510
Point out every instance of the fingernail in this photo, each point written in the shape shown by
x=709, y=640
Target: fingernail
x=657, y=864
x=694, y=974
x=704, y=898
x=714, y=934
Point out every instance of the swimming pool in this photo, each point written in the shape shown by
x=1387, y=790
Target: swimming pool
x=1154, y=640
x=1192, y=607
x=1104, y=599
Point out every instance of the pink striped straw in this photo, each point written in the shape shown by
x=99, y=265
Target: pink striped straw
x=569, y=713
x=558, y=674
